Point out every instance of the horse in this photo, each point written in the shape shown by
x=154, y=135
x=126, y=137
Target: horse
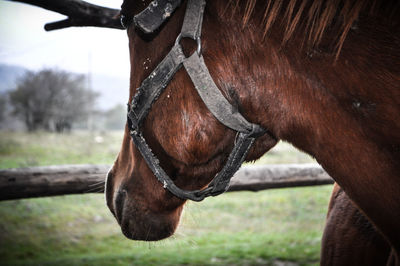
x=321, y=75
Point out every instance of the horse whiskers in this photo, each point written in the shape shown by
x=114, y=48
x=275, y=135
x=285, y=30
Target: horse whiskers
x=191, y=213
x=147, y=235
x=97, y=183
x=95, y=191
x=95, y=188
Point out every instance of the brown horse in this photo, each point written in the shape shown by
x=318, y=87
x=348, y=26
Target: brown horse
x=322, y=75
x=349, y=237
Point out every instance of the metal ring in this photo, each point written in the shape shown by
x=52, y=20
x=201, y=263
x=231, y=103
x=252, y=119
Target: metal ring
x=198, y=40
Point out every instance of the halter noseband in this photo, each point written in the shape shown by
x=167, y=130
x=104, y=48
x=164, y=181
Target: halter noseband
x=218, y=105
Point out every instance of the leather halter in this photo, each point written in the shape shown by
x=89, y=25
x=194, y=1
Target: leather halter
x=218, y=105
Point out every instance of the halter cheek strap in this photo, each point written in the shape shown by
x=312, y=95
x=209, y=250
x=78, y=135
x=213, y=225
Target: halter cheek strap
x=218, y=105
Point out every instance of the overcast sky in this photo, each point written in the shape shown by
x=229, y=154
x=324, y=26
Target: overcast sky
x=23, y=41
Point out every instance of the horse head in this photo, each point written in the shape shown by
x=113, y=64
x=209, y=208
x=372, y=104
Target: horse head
x=190, y=144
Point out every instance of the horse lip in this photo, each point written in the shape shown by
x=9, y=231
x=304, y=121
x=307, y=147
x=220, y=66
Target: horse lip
x=119, y=204
x=134, y=230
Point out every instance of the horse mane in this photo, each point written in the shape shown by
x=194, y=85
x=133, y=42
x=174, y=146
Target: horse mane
x=317, y=17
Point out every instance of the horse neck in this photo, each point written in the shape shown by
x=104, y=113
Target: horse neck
x=310, y=97
x=341, y=111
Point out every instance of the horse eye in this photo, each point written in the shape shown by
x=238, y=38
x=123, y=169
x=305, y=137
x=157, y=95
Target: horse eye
x=124, y=20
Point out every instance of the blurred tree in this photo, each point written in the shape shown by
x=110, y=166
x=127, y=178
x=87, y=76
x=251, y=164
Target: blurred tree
x=52, y=99
x=115, y=117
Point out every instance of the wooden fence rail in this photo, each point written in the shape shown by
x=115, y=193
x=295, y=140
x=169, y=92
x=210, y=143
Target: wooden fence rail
x=18, y=183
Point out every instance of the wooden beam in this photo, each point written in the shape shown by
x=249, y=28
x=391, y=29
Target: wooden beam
x=79, y=14
x=18, y=183
x=260, y=177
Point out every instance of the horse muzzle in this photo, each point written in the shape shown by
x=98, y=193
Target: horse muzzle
x=139, y=223
x=136, y=218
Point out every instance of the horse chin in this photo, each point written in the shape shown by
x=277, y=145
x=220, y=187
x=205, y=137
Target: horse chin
x=145, y=225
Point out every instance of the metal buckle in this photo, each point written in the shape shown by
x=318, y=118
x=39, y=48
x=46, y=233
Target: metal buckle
x=198, y=40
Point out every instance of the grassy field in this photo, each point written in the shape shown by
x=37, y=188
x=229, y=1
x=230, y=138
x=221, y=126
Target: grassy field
x=274, y=227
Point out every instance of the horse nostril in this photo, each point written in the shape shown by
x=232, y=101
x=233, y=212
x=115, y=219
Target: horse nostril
x=119, y=204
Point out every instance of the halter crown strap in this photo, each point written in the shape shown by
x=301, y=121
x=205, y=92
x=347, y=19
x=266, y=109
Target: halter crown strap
x=151, y=18
x=218, y=105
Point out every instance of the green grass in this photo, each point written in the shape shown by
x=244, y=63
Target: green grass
x=241, y=228
x=18, y=149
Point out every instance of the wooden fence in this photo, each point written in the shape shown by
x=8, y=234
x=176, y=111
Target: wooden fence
x=18, y=183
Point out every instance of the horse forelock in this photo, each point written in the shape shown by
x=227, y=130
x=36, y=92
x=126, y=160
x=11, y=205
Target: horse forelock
x=316, y=18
